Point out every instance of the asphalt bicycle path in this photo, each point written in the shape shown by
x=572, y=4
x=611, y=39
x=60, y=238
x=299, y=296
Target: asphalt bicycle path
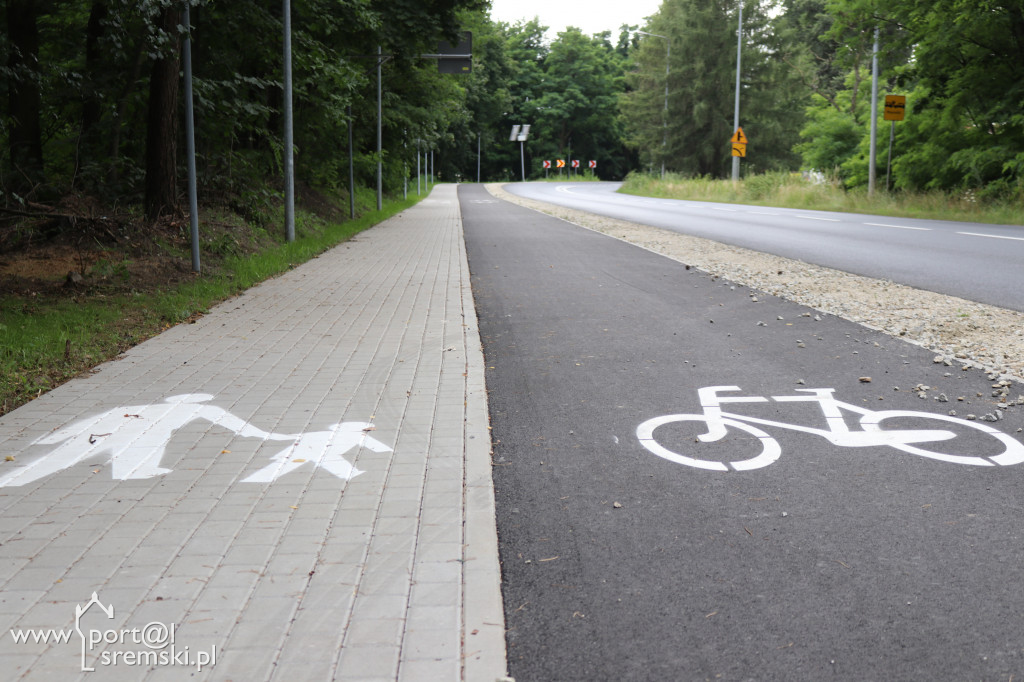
x=841, y=559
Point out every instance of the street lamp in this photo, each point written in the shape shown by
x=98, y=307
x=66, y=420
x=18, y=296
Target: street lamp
x=736, y=108
x=664, y=121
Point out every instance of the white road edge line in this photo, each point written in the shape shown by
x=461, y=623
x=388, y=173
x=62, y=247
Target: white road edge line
x=902, y=227
x=993, y=236
x=811, y=217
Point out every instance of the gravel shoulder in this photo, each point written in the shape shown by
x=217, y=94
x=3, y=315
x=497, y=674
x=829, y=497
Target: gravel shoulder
x=958, y=331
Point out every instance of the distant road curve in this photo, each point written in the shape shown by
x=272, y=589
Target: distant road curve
x=975, y=261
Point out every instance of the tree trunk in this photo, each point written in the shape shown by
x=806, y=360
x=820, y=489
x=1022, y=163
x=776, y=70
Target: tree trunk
x=25, y=140
x=91, y=110
x=161, y=124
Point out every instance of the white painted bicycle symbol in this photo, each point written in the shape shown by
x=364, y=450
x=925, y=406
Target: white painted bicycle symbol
x=1010, y=451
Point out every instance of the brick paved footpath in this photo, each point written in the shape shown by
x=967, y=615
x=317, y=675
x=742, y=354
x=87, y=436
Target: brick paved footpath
x=296, y=573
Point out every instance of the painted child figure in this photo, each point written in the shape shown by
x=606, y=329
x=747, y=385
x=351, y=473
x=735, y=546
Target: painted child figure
x=324, y=449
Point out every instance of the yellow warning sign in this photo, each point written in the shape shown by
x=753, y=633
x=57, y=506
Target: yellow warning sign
x=560, y=163
x=739, y=149
x=895, y=107
x=738, y=136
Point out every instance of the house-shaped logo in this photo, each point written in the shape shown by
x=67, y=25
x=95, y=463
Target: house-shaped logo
x=79, y=612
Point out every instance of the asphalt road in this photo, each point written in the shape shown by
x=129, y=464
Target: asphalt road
x=974, y=261
x=832, y=563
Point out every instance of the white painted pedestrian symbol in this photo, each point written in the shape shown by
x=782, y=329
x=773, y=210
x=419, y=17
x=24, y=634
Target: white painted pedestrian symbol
x=323, y=449
x=136, y=437
x=718, y=421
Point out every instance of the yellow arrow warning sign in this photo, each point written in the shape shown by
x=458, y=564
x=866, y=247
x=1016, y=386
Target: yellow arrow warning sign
x=738, y=136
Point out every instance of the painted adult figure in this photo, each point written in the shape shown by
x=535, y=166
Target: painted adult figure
x=135, y=437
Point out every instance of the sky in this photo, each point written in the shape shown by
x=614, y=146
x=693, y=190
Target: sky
x=590, y=16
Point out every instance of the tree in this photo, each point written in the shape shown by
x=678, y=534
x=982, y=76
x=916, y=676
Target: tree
x=163, y=116
x=969, y=66
x=577, y=109
x=701, y=86
x=25, y=142
x=962, y=65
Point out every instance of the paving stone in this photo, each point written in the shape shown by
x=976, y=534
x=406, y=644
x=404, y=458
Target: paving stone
x=309, y=576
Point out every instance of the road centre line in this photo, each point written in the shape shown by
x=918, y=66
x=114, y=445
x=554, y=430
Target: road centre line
x=721, y=208
x=763, y=213
x=902, y=227
x=993, y=236
x=811, y=217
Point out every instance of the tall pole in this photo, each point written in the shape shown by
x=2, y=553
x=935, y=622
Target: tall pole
x=478, y=158
x=874, y=116
x=289, y=142
x=380, y=138
x=190, y=139
x=418, y=176
x=664, y=125
x=888, y=164
x=522, y=158
x=736, y=107
x=351, y=169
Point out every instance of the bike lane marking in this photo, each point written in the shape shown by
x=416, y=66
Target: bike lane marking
x=586, y=338
x=838, y=432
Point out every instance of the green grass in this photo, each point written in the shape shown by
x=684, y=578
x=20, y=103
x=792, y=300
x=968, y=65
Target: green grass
x=47, y=340
x=790, y=190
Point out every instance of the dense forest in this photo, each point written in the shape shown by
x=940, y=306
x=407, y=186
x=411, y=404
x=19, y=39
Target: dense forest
x=93, y=102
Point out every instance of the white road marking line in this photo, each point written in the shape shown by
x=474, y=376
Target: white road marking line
x=811, y=217
x=763, y=213
x=720, y=208
x=902, y=227
x=993, y=236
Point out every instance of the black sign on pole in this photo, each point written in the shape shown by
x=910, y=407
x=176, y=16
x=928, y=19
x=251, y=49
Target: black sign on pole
x=456, y=58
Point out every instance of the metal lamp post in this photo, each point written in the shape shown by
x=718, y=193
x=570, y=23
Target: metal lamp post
x=664, y=121
x=736, y=108
x=289, y=145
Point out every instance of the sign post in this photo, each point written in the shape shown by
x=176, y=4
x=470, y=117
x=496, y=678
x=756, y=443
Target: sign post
x=895, y=110
x=520, y=133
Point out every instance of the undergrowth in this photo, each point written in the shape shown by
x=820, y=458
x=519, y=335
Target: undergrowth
x=50, y=336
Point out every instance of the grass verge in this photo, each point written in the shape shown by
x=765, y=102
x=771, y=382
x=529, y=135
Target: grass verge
x=46, y=340
x=791, y=190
